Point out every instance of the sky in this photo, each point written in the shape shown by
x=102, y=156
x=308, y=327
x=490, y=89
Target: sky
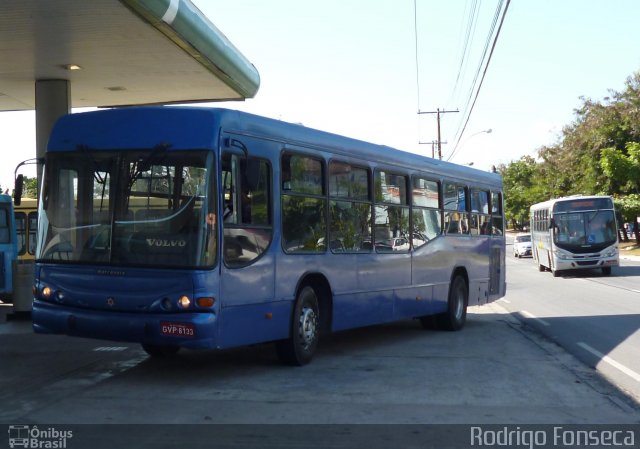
x=365, y=68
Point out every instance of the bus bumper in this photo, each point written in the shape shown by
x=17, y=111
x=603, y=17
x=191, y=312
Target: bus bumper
x=585, y=263
x=189, y=330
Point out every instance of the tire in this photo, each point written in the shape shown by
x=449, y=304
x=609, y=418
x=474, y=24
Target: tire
x=555, y=273
x=160, y=350
x=606, y=271
x=456, y=315
x=540, y=268
x=299, y=348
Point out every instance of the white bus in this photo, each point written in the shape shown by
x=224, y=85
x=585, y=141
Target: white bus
x=573, y=233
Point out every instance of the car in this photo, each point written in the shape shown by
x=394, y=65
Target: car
x=393, y=244
x=522, y=245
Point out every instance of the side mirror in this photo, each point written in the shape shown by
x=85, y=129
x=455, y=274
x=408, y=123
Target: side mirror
x=17, y=190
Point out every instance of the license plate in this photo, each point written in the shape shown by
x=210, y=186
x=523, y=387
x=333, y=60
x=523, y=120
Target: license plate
x=177, y=329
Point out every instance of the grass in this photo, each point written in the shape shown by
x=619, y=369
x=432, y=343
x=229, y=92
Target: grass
x=630, y=248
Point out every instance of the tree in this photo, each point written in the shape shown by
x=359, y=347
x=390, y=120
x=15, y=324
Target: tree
x=520, y=181
x=623, y=169
x=30, y=189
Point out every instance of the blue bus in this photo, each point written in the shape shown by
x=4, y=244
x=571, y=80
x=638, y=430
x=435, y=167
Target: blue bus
x=8, y=248
x=212, y=228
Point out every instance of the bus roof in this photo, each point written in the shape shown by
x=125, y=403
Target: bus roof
x=550, y=203
x=5, y=198
x=182, y=128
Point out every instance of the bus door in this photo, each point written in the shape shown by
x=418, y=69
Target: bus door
x=247, y=273
x=8, y=249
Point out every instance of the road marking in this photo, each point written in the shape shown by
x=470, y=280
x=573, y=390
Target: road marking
x=611, y=362
x=533, y=317
x=110, y=348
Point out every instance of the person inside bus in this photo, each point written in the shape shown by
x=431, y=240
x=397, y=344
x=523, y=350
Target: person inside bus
x=599, y=232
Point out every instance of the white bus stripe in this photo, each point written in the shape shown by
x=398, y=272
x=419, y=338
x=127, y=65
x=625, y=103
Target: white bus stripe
x=629, y=372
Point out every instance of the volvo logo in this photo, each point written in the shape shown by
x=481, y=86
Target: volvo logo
x=167, y=243
x=110, y=302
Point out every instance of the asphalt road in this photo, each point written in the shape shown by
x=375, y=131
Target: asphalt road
x=506, y=367
x=594, y=317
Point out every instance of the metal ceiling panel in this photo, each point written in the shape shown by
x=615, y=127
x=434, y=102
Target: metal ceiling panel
x=129, y=52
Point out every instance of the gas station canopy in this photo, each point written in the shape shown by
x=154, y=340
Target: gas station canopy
x=118, y=52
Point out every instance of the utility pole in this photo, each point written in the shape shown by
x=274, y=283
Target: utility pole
x=438, y=112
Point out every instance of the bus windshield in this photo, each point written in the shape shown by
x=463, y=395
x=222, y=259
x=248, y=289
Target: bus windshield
x=596, y=228
x=142, y=208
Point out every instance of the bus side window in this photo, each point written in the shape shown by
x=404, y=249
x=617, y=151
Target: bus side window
x=496, y=214
x=456, y=218
x=304, y=204
x=21, y=232
x=427, y=217
x=246, y=209
x=4, y=226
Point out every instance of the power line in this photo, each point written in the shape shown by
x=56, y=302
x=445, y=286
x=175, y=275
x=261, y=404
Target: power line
x=468, y=39
x=468, y=116
x=415, y=30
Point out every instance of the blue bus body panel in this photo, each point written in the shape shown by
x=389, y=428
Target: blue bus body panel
x=125, y=304
x=254, y=303
x=123, y=326
x=198, y=128
x=136, y=128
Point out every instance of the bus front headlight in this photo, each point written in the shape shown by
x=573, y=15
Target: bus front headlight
x=184, y=302
x=561, y=255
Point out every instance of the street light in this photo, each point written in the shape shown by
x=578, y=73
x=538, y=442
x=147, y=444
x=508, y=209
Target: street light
x=486, y=131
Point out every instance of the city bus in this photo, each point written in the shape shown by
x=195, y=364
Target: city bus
x=26, y=218
x=8, y=248
x=574, y=233
x=192, y=227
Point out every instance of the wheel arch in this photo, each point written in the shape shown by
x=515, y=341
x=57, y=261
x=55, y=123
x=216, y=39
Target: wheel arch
x=460, y=271
x=320, y=284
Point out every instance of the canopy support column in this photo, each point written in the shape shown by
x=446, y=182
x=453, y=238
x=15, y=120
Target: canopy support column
x=53, y=100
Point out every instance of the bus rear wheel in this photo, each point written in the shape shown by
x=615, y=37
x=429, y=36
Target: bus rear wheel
x=160, y=350
x=299, y=348
x=456, y=315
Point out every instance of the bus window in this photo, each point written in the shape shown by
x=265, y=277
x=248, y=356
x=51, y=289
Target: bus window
x=350, y=208
x=456, y=219
x=303, y=204
x=21, y=232
x=247, y=209
x=427, y=217
x=5, y=234
x=497, y=221
x=33, y=230
x=391, y=213
x=480, y=218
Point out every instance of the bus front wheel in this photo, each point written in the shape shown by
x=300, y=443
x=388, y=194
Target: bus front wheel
x=299, y=348
x=606, y=271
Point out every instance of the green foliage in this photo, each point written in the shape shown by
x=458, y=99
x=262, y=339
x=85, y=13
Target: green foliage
x=622, y=169
x=599, y=153
x=30, y=187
